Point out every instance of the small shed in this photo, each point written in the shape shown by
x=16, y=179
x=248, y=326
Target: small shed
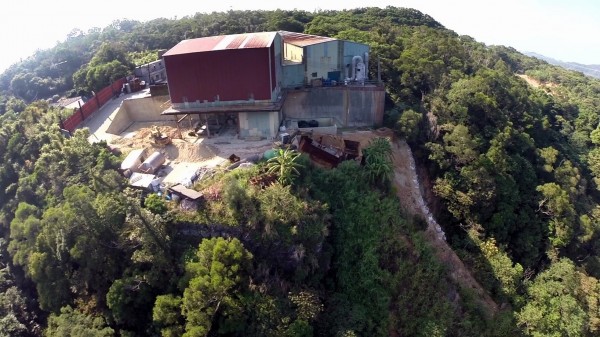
x=142, y=180
x=186, y=193
x=152, y=164
x=133, y=160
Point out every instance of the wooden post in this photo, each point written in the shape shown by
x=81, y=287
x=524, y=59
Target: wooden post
x=80, y=111
x=179, y=121
x=207, y=127
x=178, y=129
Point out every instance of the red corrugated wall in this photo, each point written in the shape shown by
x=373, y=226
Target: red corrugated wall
x=273, y=70
x=92, y=105
x=232, y=74
x=72, y=122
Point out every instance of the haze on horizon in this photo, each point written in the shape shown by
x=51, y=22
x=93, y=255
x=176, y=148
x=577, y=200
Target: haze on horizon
x=554, y=28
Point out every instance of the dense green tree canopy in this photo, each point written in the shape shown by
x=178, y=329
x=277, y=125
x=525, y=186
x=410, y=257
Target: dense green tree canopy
x=511, y=171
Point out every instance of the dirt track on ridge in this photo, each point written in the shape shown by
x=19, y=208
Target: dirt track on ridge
x=411, y=199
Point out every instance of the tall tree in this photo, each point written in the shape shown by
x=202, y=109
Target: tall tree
x=562, y=301
x=216, y=277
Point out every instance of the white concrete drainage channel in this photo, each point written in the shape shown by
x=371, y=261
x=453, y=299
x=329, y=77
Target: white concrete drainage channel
x=420, y=203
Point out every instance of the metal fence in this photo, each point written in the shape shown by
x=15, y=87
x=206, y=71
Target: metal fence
x=92, y=105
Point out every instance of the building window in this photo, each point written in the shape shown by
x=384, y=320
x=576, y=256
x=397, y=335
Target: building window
x=314, y=75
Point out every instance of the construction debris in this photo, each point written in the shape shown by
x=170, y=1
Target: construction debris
x=159, y=138
x=328, y=150
x=185, y=193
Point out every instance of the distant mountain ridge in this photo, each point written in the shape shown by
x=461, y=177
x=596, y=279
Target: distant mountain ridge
x=592, y=70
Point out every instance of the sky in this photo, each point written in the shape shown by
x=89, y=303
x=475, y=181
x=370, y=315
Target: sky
x=564, y=30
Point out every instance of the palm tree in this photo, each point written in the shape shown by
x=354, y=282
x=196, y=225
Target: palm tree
x=284, y=165
x=378, y=160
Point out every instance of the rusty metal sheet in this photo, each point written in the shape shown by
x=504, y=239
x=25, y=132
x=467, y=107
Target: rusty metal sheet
x=301, y=40
x=222, y=42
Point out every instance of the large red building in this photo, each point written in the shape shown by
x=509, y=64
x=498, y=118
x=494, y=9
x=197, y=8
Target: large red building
x=228, y=68
x=237, y=80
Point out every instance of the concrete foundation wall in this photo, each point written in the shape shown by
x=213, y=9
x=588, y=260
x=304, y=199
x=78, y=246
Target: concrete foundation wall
x=146, y=109
x=120, y=122
x=349, y=106
x=258, y=124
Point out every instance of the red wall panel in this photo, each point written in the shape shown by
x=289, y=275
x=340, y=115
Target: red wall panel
x=233, y=74
x=92, y=105
x=72, y=122
x=273, y=70
x=104, y=95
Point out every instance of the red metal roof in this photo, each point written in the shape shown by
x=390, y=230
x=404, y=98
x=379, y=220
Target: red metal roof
x=222, y=42
x=301, y=40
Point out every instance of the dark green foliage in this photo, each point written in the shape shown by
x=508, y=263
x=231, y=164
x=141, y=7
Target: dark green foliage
x=167, y=315
x=16, y=309
x=155, y=204
x=284, y=165
x=561, y=301
x=378, y=160
x=128, y=300
x=109, y=64
x=416, y=296
x=71, y=323
x=408, y=125
x=517, y=166
x=214, y=279
x=359, y=218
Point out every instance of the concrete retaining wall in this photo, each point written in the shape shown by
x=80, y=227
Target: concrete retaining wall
x=120, y=121
x=349, y=106
x=258, y=124
x=145, y=109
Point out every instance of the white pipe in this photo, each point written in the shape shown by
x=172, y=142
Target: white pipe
x=366, y=65
x=354, y=63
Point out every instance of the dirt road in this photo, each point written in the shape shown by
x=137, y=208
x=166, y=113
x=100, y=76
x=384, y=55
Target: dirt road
x=409, y=192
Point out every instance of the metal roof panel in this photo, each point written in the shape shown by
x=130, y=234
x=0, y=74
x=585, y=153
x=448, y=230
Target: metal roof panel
x=222, y=42
x=195, y=45
x=301, y=40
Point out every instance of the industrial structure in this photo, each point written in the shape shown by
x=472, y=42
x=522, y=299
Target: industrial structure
x=310, y=58
x=153, y=72
x=254, y=81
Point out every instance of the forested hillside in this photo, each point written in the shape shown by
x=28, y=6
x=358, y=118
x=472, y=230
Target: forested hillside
x=508, y=151
x=592, y=70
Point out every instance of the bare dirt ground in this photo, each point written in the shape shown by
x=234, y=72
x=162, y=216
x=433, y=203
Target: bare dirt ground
x=187, y=153
x=409, y=193
x=536, y=84
x=178, y=150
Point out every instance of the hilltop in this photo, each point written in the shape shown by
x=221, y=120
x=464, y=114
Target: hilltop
x=588, y=69
x=491, y=229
